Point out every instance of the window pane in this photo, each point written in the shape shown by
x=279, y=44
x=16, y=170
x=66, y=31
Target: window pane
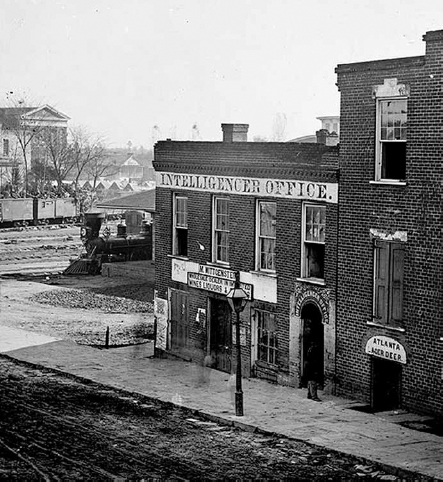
x=315, y=223
x=266, y=235
x=393, y=113
x=180, y=242
x=315, y=260
x=267, y=337
x=393, y=161
x=221, y=230
x=222, y=239
x=267, y=219
x=181, y=212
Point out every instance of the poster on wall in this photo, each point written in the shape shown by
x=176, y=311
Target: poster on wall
x=161, y=318
x=243, y=335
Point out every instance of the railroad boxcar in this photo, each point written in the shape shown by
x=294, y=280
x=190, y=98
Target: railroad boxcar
x=25, y=211
x=53, y=211
x=16, y=211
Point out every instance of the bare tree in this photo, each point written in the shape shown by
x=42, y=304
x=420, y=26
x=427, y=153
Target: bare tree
x=86, y=151
x=56, y=153
x=98, y=164
x=24, y=130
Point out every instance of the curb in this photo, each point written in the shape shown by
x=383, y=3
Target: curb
x=403, y=474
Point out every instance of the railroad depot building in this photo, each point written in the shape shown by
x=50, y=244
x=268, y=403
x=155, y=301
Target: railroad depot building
x=390, y=251
x=267, y=211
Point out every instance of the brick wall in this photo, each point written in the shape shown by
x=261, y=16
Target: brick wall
x=415, y=208
x=305, y=162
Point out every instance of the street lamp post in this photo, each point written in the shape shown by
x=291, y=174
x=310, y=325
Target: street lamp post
x=237, y=300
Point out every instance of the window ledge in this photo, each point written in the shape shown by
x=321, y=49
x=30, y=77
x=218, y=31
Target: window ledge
x=312, y=281
x=176, y=256
x=269, y=274
x=387, y=327
x=392, y=182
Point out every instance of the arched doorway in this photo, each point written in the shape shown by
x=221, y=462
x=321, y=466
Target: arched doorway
x=312, y=332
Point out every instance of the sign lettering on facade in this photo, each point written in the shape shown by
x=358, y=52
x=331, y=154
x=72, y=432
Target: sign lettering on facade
x=264, y=187
x=221, y=284
x=387, y=348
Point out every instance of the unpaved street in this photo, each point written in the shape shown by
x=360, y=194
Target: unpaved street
x=59, y=428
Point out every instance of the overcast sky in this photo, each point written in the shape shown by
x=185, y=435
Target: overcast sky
x=120, y=67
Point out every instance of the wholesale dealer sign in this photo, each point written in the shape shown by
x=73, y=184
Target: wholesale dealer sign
x=216, y=280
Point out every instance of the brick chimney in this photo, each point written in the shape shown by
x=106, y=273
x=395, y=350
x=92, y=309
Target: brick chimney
x=235, y=132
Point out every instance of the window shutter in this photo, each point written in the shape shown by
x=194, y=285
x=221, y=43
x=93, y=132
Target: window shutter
x=381, y=270
x=396, y=284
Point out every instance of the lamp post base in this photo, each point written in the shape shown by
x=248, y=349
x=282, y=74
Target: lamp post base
x=239, y=404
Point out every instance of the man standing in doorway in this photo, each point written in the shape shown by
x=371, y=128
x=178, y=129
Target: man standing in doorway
x=312, y=370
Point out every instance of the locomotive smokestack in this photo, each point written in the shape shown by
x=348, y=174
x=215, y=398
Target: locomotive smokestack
x=93, y=221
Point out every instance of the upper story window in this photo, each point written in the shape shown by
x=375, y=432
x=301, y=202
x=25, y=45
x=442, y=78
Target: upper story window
x=313, y=249
x=266, y=235
x=180, y=235
x=6, y=147
x=220, y=251
x=388, y=282
x=391, y=139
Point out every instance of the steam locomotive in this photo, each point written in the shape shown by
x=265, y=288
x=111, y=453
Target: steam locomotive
x=35, y=211
x=106, y=248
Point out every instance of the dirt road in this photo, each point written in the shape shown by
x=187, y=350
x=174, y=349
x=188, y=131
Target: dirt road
x=59, y=428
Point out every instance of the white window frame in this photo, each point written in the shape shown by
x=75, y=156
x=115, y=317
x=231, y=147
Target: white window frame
x=380, y=141
x=259, y=237
x=179, y=225
x=305, y=243
x=216, y=230
x=261, y=314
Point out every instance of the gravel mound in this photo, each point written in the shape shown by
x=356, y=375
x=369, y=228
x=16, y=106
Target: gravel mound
x=72, y=298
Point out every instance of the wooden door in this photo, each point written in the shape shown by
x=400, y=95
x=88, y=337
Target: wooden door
x=220, y=340
x=386, y=385
x=179, y=320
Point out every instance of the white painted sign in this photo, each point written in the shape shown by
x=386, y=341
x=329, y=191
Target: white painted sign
x=263, y=187
x=243, y=334
x=265, y=286
x=161, y=317
x=215, y=284
x=387, y=348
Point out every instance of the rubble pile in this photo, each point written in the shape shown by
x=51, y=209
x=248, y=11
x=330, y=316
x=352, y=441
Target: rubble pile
x=73, y=298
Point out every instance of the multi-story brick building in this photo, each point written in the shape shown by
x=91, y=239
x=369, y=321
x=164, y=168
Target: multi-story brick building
x=390, y=250
x=267, y=210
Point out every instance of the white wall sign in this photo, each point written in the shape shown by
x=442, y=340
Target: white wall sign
x=161, y=317
x=387, y=348
x=263, y=187
x=265, y=286
x=216, y=285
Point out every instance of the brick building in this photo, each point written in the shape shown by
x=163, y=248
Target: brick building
x=268, y=211
x=390, y=250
